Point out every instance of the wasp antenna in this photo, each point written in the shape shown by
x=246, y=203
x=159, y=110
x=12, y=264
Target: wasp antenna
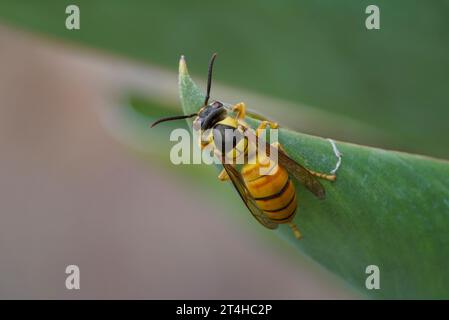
x=209, y=78
x=173, y=118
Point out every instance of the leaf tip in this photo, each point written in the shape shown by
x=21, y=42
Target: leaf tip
x=183, y=66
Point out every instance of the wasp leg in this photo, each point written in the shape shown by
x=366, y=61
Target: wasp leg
x=329, y=177
x=295, y=230
x=264, y=124
x=223, y=176
x=267, y=123
x=240, y=110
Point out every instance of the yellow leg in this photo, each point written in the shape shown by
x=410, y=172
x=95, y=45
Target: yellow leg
x=223, y=176
x=264, y=124
x=295, y=230
x=330, y=177
x=240, y=110
x=267, y=123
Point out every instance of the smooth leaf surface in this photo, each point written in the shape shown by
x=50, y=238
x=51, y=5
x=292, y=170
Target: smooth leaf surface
x=387, y=208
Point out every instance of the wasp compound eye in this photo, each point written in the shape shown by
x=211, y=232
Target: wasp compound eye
x=217, y=105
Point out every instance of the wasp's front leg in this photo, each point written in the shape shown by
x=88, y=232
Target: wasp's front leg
x=240, y=110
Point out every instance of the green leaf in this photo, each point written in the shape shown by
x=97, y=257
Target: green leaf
x=387, y=208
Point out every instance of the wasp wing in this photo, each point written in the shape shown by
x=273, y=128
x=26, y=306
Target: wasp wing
x=249, y=201
x=301, y=174
x=295, y=169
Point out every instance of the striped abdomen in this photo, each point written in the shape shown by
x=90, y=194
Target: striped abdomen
x=275, y=193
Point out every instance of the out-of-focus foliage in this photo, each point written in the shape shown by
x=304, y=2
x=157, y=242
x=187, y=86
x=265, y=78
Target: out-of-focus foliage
x=313, y=52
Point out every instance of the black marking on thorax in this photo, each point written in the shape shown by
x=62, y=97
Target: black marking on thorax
x=222, y=137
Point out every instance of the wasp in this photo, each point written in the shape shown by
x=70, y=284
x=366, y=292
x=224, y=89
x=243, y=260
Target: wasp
x=271, y=198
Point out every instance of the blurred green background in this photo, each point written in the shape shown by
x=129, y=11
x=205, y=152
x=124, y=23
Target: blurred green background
x=317, y=53
x=311, y=65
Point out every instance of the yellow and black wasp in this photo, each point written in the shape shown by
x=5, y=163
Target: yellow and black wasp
x=271, y=198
